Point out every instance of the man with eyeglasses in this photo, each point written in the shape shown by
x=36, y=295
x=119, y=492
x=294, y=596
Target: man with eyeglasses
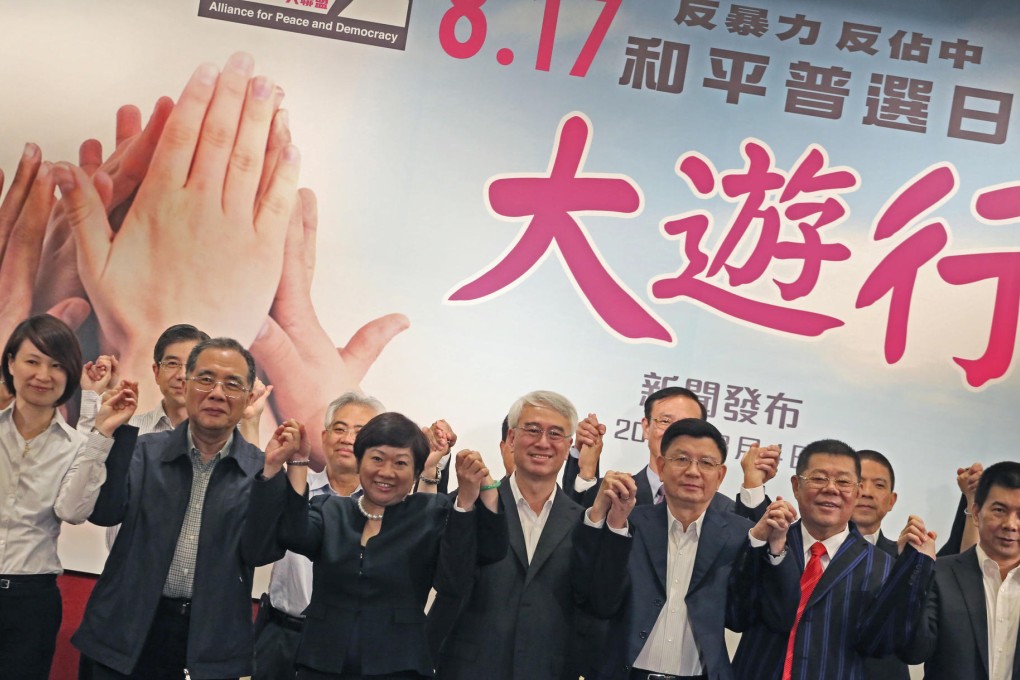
x=175, y=594
x=662, y=408
x=840, y=598
x=520, y=619
x=662, y=573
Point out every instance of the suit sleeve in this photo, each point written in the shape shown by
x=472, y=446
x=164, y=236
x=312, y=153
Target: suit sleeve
x=458, y=554
x=600, y=577
x=760, y=591
x=891, y=620
x=111, y=504
x=926, y=635
x=955, y=541
x=302, y=524
x=259, y=544
x=493, y=534
x=754, y=514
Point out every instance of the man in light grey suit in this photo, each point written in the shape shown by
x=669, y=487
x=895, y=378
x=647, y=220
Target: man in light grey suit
x=970, y=623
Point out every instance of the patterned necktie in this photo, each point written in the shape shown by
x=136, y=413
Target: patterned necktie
x=660, y=495
x=808, y=580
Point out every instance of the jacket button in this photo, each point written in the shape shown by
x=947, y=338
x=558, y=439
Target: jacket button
x=643, y=634
x=658, y=603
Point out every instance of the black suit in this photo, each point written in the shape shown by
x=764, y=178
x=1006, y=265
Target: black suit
x=519, y=620
x=952, y=638
x=367, y=612
x=626, y=579
x=887, y=667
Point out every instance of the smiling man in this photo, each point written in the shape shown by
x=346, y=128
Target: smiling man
x=175, y=593
x=840, y=598
x=969, y=628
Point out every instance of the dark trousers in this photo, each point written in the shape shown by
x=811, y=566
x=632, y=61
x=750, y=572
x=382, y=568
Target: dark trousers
x=305, y=673
x=30, y=615
x=276, y=651
x=165, y=654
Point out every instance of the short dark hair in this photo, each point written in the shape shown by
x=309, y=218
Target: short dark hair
x=831, y=447
x=876, y=457
x=670, y=392
x=692, y=427
x=222, y=343
x=182, y=332
x=1005, y=474
x=505, y=429
x=55, y=339
x=393, y=429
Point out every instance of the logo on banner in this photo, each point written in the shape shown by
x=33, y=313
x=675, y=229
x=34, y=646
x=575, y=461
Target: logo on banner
x=380, y=23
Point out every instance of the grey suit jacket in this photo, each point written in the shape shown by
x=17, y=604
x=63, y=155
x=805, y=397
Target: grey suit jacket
x=520, y=620
x=952, y=638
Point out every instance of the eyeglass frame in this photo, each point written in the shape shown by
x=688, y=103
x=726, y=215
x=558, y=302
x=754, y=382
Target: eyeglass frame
x=676, y=461
x=536, y=434
x=813, y=481
x=227, y=392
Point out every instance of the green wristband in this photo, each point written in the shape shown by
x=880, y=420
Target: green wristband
x=494, y=485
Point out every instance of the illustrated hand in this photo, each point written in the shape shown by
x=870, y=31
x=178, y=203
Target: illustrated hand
x=471, y=474
x=967, y=479
x=773, y=525
x=288, y=440
x=23, y=215
x=98, y=375
x=125, y=169
x=297, y=355
x=760, y=464
x=198, y=229
x=589, y=442
x=117, y=407
x=917, y=535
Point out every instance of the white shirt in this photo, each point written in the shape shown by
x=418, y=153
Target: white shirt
x=531, y=524
x=52, y=477
x=671, y=647
x=155, y=420
x=290, y=586
x=1002, y=607
x=872, y=538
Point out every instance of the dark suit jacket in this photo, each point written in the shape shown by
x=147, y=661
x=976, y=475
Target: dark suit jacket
x=888, y=667
x=519, y=620
x=368, y=603
x=644, y=493
x=625, y=579
x=866, y=604
x=952, y=638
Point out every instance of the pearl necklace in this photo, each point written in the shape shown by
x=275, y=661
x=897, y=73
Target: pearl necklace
x=366, y=513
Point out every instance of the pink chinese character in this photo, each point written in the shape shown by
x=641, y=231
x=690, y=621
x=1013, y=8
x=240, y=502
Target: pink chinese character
x=805, y=201
x=550, y=204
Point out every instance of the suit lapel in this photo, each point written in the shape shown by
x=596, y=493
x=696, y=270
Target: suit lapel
x=563, y=517
x=644, y=489
x=710, y=543
x=967, y=572
x=853, y=550
x=654, y=528
x=513, y=522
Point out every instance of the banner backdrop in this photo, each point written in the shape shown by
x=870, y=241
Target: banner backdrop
x=805, y=211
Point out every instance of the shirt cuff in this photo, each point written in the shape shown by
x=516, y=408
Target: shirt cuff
x=443, y=462
x=752, y=498
x=582, y=485
x=97, y=447
x=755, y=543
x=598, y=525
x=575, y=452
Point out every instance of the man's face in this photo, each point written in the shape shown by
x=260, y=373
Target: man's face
x=338, y=439
x=216, y=412
x=664, y=412
x=540, y=442
x=877, y=497
x=998, y=522
x=169, y=372
x=691, y=471
x=826, y=507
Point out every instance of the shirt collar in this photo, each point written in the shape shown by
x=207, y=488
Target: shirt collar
x=872, y=538
x=222, y=453
x=990, y=567
x=318, y=484
x=57, y=422
x=832, y=543
x=673, y=521
x=653, y=480
x=519, y=497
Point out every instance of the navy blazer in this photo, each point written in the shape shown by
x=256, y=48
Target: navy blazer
x=625, y=579
x=865, y=604
x=888, y=667
x=952, y=638
x=368, y=602
x=519, y=620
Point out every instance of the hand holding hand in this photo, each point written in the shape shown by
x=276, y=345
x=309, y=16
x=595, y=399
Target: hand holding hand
x=760, y=464
x=471, y=475
x=287, y=441
x=589, y=442
x=967, y=479
x=622, y=494
x=117, y=407
x=98, y=375
x=773, y=525
x=917, y=535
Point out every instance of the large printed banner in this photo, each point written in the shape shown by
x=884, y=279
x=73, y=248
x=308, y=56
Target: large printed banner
x=806, y=211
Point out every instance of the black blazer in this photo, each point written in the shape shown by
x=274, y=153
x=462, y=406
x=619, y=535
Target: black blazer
x=888, y=667
x=368, y=603
x=625, y=579
x=518, y=620
x=952, y=638
x=866, y=604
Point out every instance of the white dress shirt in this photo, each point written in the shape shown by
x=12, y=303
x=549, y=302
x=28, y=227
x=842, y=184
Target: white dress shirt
x=531, y=524
x=290, y=586
x=52, y=477
x=671, y=647
x=1002, y=607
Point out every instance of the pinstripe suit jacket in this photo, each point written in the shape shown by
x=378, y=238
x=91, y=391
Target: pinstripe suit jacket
x=887, y=667
x=865, y=604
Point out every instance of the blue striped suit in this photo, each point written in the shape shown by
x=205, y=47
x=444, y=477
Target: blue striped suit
x=867, y=603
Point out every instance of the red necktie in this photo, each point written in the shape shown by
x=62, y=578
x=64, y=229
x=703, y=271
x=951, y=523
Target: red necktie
x=808, y=580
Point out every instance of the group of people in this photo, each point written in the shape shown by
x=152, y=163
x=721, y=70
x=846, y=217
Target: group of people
x=615, y=576
x=378, y=571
